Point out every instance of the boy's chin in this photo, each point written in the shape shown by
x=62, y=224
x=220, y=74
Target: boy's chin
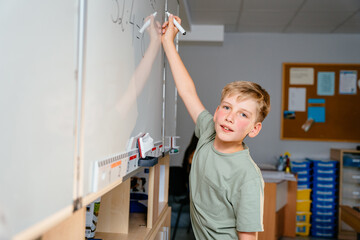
x=227, y=139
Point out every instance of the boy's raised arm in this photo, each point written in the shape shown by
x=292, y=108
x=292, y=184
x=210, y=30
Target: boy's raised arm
x=183, y=81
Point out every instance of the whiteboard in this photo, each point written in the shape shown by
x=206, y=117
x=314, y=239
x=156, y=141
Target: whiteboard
x=123, y=85
x=37, y=103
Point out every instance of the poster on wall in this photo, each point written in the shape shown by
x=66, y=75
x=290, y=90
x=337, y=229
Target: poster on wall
x=326, y=84
x=348, y=82
x=301, y=76
x=297, y=99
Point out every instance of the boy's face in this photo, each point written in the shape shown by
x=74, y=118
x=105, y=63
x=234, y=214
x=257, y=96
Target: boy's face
x=234, y=120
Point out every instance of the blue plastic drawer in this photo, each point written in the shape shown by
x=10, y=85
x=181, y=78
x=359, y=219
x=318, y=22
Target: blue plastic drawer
x=324, y=192
x=304, y=178
x=324, y=206
x=328, y=199
x=324, y=213
x=301, y=164
x=325, y=185
x=304, y=166
x=304, y=185
x=323, y=219
x=323, y=233
x=303, y=172
x=329, y=164
x=325, y=178
x=351, y=160
x=328, y=171
x=321, y=226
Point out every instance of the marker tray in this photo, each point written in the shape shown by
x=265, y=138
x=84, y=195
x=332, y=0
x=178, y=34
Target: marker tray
x=148, y=161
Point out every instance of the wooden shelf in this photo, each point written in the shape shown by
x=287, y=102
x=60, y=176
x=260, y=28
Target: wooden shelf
x=138, y=229
x=114, y=220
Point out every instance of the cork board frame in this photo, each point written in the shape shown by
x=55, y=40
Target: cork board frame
x=341, y=111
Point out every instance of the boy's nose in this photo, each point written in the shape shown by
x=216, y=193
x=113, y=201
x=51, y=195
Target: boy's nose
x=230, y=118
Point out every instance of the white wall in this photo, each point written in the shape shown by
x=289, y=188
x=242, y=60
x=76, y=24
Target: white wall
x=258, y=57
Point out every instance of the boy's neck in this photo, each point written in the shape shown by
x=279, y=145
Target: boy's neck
x=227, y=147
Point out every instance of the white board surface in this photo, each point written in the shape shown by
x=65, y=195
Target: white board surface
x=121, y=95
x=123, y=78
x=37, y=103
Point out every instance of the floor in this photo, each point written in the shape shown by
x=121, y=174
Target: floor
x=182, y=234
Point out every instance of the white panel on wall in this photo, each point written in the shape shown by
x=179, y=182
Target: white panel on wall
x=37, y=101
x=123, y=78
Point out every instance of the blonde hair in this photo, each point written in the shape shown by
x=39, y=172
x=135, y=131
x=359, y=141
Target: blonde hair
x=252, y=90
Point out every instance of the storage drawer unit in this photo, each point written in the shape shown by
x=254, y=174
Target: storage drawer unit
x=349, y=185
x=324, y=198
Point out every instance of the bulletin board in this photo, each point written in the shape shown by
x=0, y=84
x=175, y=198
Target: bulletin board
x=321, y=102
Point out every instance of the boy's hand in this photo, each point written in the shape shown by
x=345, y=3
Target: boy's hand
x=169, y=30
x=247, y=235
x=184, y=83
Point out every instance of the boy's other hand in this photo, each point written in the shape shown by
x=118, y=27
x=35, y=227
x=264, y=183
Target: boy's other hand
x=169, y=30
x=247, y=235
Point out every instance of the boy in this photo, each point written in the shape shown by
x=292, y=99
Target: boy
x=226, y=186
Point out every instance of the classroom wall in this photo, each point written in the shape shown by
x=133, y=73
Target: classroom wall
x=258, y=57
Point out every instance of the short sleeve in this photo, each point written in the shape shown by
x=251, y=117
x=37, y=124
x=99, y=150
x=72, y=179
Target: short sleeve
x=248, y=206
x=204, y=123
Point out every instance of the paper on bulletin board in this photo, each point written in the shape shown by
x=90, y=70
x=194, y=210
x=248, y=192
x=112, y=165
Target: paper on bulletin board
x=297, y=99
x=347, y=82
x=301, y=76
x=326, y=83
x=316, y=109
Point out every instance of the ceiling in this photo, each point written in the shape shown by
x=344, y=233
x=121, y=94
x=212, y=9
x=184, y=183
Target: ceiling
x=280, y=16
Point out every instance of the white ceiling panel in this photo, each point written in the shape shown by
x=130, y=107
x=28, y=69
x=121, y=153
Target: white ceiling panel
x=320, y=18
x=331, y=5
x=268, y=18
x=272, y=5
x=260, y=28
x=214, y=17
x=313, y=16
x=220, y=5
x=309, y=29
x=352, y=25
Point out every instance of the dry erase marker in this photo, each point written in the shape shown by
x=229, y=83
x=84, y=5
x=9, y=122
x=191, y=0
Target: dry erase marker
x=146, y=24
x=178, y=25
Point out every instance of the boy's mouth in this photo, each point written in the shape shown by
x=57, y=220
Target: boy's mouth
x=226, y=129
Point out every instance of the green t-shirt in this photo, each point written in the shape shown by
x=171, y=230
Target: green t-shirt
x=226, y=190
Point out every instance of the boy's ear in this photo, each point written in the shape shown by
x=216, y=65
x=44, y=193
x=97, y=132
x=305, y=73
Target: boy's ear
x=256, y=129
x=215, y=113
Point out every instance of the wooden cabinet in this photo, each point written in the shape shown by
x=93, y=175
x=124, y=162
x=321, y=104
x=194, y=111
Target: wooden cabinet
x=115, y=221
x=349, y=187
x=279, y=213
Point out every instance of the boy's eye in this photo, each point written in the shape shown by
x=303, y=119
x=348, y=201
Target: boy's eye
x=243, y=115
x=226, y=107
